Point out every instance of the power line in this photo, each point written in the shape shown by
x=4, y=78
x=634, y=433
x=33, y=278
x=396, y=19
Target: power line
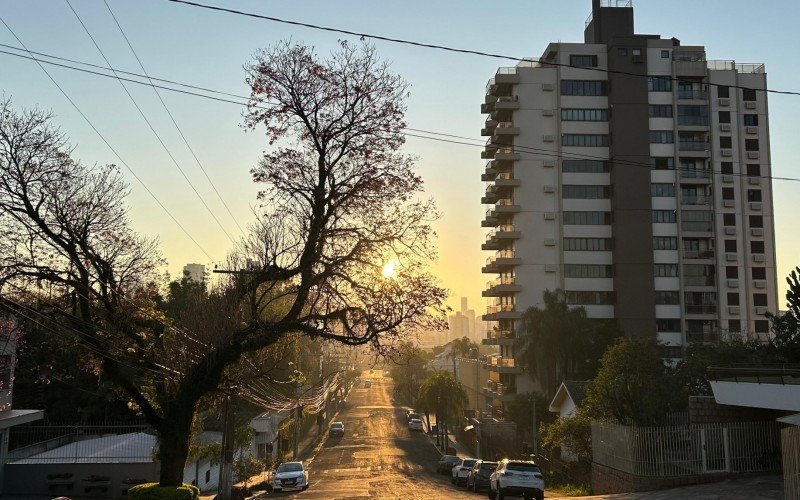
x=105, y=141
x=447, y=48
x=517, y=148
x=150, y=125
x=185, y=141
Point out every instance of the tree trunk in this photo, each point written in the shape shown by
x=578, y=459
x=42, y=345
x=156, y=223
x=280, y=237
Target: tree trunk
x=173, y=445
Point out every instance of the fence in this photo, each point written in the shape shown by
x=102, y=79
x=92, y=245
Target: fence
x=684, y=450
x=40, y=444
x=790, y=444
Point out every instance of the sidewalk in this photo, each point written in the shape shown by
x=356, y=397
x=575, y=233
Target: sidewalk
x=461, y=450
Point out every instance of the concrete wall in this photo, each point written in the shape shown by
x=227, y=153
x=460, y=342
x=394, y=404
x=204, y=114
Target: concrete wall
x=31, y=479
x=606, y=480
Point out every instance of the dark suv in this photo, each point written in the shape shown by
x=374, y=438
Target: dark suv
x=478, y=477
x=446, y=464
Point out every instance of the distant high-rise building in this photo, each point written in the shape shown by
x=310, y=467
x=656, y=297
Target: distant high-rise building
x=464, y=324
x=634, y=175
x=195, y=272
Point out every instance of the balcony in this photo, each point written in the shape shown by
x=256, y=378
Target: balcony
x=696, y=200
x=698, y=254
x=695, y=174
x=697, y=226
x=501, y=312
x=723, y=65
x=701, y=308
x=501, y=261
x=702, y=335
x=504, y=232
x=502, y=365
x=506, y=206
x=501, y=286
x=701, y=281
x=488, y=127
x=692, y=94
x=693, y=145
x=499, y=337
x=693, y=121
x=507, y=154
x=506, y=179
x=506, y=129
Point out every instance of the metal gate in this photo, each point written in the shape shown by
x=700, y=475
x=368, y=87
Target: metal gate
x=715, y=449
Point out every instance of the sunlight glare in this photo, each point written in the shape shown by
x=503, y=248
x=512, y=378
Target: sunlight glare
x=390, y=269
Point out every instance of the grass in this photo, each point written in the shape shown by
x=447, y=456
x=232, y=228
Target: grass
x=569, y=490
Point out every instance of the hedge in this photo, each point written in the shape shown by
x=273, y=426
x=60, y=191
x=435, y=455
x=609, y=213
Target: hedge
x=152, y=491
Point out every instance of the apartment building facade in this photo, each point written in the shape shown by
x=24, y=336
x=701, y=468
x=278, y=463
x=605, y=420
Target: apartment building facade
x=633, y=174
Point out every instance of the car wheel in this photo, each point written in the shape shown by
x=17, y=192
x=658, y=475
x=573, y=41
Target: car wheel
x=501, y=495
x=276, y=490
x=305, y=487
x=452, y=480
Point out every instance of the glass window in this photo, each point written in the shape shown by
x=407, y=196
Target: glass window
x=723, y=91
x=585, y=140
x=724, y=116
x=732, y=272
x=665, y=243
x=585, y=192
x=589, y=298
x=726, y=167
x=588, y=271
x=581, y=61
x=727, y=193
x=749, y=94
x=730, y=246
x=733, y=299
x=759, y=299
x=636, y=52
x=661, y=137
x=587, y=218
x=753, y=170
x=665, y=270
x=663, y=216
x=751, y=120
x=756, y=247
x=585, y=115
x=734, y=325
x=662, y=190
x=587, y=244
x=668, y=325
x=664, y=54
x=522, y=467
x=759, y=273
x=662, y=163
x=762, y=326
x=725, y=142
x=660, y=110
x=667, y=297
x=729, y=220
x=753, y=195
x=584, y=166
x=751, y=144
x=756, y=221
x=583, y=87
x=659, y=84
x=622, y=51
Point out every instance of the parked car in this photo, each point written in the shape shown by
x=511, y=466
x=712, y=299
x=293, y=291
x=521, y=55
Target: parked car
x=412, y=416
x=518, y=478
x=415, y=424
x=290, y=475
x=367, y=384
x=478, y=477
x=459, y=472
x=446, y=463
x=337, y=429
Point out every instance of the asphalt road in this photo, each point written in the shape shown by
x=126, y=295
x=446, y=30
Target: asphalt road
x=378, y=457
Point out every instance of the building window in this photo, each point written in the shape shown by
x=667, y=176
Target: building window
x=668, y=325
x=584, y=166
x=733, y=299
x=622, y=51
x=751, y=120
x=584, y=115
x=753, y=170
x=749, y=94
x=734, y=326
x=760, y=299
x=208, y=476
x=729, y=220
x=759, y=273
x=587, y=244
x=756, y=247
x=762, y=326
x=660, y=110
x=751, y=144
x=636, y=52
x=664, y=54
x=585, y=140
x=581, y=61
x=732, y=272
x=667, y=298
x=756, y=221
x=663, y=216
x=724, y=116
x=661, y=137
x=659, y=84
x=696, y=115
x=723, y=91
x=588, y=271
x=730, y=246
x=662, y=163
x=589, y=298
x=662, y=190
x=753, y=195
x=587, y=218
x=665, y=243
x=665, y=270
x=725, y=142
x=726, y=168
x=727, y=193
x=583, y=87
x=585, y=192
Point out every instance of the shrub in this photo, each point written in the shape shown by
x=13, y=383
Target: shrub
x=152, y=491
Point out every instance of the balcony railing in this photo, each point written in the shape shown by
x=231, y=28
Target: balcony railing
x=499, y=308
x=704, y=335
x=499, y=387
x=693, y=145
x=698, y=254
x=698, y=280
x=698, y=121
x=697, y=226
x=701, y=308
x=505, y=201
x=696, y=200
x=687, y=56
x=500, y=334
x=692, y=94
x=732, y=65
x=695, y=173
x=503, y=280
x=502, y=254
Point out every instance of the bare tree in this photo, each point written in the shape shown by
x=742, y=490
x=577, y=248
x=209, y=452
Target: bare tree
x=339, y=203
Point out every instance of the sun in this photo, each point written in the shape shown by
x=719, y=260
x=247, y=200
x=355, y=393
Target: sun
x=390, y=269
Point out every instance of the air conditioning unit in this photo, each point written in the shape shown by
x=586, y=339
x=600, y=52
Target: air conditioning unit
x=549, y=189
x=727, y=179
x=755, y=205
x=548, y=87
x=757, y=231
x=733, y=310
x=549, y=216
x=549, y=242
x=751, y=130
x=550, y=268
x=761, y=310
x=759, y=284
x=728, y=203
x=753, y=155
x=547, y=112
x=754, y=180
x=730, y=231
x=733, y=283
x=726, y=152
x=549, y=163
x=724, y=102
x=750, y=105
x=548, y=138
x=724, y=127
x=730, y=257
x=759, y=257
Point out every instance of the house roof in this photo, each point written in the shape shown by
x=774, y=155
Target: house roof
x=572, y=389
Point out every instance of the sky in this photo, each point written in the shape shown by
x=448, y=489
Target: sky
x=209, y=49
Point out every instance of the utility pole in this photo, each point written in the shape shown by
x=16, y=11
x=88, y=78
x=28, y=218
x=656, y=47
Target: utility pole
x=228, y=438
x=535, y=433
x=297, y=401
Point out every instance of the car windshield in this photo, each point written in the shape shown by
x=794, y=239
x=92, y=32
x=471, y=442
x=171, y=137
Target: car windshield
x=290, y=467
x=337, y=426
x=522, y=467
x=468, y=463
x=450, y=458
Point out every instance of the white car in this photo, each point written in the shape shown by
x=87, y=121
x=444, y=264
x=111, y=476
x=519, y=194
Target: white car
x=290, y=475
x=461, y=471
x=518, y=478
x=415, y=424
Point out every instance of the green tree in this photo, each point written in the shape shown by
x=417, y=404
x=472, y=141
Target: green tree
x=574, y=432
x=408, y=370
x=442, y=393
x=558, y=342
x=464, y=348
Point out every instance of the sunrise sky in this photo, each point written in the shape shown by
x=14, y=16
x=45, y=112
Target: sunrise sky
x=208, y=49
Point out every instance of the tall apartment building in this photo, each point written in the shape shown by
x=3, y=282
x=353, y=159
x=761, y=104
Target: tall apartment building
x=633, y=174
x=195, y=272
